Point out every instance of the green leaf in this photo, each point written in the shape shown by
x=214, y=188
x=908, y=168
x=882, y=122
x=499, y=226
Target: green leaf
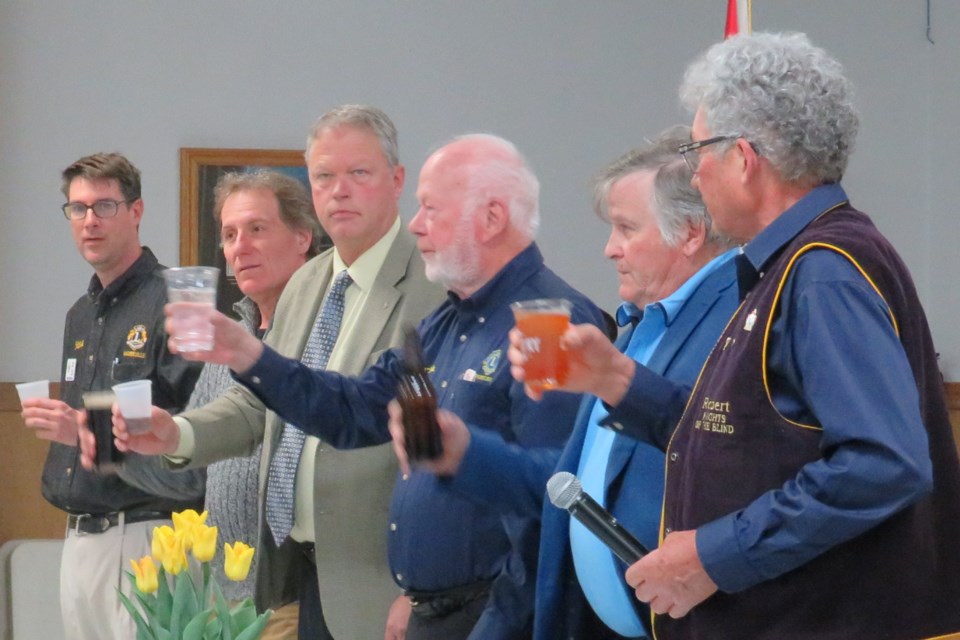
x=196, y=627
x=164, y=600
x=212, y=631
x=184, y=603
x=223, y=612
x=143, y=629
x=253, y=631
x=163, y=634
x=148, y=602
x=243, y=616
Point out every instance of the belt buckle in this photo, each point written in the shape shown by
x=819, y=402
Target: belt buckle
x=103, y=521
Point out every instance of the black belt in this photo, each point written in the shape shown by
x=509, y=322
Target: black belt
x=100, y=522
x=439, y=604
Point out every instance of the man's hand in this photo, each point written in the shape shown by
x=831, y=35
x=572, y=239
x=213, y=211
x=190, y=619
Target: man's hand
x=453, y=434
x=397, y=619
x=52, y=420
x=672, y=579
x=163, y=436
x=232, y=344
x=595, y=364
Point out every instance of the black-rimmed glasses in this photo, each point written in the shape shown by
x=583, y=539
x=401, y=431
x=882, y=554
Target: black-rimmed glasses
x=689, y=153
x=101, y=208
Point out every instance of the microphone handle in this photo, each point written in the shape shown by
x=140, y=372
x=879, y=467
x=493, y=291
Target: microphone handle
x=602, y=524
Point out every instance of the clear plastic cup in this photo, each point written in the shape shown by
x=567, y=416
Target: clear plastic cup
x=192, y=293
x=542, y=322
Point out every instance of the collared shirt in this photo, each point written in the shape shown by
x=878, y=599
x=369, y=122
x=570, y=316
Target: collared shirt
x=438, y=538
x=597, y=571
x=834, y=359
x=115, y=334
x=363, y=272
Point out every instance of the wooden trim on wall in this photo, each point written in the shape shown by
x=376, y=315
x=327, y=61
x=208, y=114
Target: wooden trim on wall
x=953, y=395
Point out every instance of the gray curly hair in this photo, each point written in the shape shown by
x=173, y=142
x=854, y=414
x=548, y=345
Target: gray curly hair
x=787, y=97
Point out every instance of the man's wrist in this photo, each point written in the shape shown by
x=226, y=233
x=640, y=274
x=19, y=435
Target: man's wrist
x=247, y=355
x=616, y=381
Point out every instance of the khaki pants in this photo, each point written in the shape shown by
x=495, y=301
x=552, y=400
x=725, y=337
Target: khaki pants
x=91, y=571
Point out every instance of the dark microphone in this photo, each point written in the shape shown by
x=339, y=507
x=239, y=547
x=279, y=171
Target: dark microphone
x=566, y=492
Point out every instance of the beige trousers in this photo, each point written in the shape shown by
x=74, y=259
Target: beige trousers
x=91, y=571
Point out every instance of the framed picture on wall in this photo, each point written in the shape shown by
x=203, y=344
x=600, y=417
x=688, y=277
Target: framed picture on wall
x=200, y=169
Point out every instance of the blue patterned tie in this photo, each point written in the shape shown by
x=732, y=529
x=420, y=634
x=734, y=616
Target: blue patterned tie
x=283, y=467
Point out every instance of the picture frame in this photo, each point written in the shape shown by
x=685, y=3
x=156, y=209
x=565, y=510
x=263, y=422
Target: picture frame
x=200, y=169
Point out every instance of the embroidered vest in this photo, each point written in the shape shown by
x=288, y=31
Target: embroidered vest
x=900, y=579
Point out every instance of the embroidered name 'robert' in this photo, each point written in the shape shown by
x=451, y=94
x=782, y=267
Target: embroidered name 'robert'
x=714, y=417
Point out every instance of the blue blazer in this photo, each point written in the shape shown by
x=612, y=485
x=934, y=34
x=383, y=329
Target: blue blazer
x=634, y=480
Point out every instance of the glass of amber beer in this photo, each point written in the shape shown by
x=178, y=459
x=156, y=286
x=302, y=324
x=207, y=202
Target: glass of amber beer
x=542, y=322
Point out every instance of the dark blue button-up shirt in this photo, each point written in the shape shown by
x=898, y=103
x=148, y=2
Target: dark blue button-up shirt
x=440, y=539
x=835, y=360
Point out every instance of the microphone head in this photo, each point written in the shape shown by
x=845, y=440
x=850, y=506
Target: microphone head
x=564, y=488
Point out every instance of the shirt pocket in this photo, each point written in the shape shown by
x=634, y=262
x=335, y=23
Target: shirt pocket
x=128, y=371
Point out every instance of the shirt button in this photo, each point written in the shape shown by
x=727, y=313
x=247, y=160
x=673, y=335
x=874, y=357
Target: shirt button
x=113, y=302
x=100, y=320
x=667, y=530
x=481, y=319
x=618, y=426
x=399, y=577
x=69, y=469
x=674, y=457
x=405, y=476
x=255, y=379
x=393, y=526
x=90, y=358
x=443, y=384
x=463, y=338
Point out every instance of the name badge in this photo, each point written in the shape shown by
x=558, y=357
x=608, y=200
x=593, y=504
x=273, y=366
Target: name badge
x=71, y=371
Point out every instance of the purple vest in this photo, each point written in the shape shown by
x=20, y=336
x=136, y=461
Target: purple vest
x=901, y=579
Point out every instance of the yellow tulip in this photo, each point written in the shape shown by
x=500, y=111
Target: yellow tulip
x=186, y=522
x=237, y=560
x=172, y=553
x=156, y=545
x=204, y=542
x=146, y=573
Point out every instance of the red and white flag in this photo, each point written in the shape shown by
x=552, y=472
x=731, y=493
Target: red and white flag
x=738, y=18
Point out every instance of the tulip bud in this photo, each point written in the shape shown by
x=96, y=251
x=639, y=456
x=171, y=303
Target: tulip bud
x=204, y=542
x=237, y=560
x=146, y=574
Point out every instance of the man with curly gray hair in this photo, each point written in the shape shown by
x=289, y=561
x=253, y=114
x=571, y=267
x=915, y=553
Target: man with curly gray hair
x=812, y=483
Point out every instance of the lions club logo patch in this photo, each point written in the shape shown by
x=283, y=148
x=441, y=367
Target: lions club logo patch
x=491, y=362
x=137, y=337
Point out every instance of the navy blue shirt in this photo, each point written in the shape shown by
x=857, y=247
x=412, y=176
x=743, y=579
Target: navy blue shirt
x=834, y=359
x=438, y=538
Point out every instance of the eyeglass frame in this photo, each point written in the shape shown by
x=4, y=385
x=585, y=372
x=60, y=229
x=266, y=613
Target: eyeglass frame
x=689, y=147
x=92, y=207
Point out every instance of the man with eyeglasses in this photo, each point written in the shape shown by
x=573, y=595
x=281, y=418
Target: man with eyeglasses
x=113, y=333
x=812, y=487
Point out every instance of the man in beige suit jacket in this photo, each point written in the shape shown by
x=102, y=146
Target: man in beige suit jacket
x=356, y=181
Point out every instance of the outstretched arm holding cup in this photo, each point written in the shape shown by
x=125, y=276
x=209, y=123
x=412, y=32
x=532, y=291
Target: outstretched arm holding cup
x=594, y=366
